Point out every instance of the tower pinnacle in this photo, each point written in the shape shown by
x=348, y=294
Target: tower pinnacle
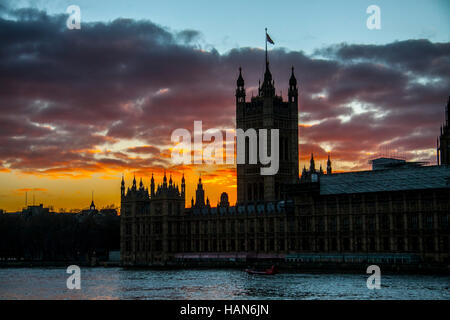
x=329, y=169
x=122, y=186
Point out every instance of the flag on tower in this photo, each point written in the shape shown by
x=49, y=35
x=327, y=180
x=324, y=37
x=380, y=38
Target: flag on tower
x=269, y=39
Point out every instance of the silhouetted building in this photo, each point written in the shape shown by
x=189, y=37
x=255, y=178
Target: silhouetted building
x=108, y=212
x=147, y=221
x=92, y=209
x=396, y=213
x=268, y=111
x=35, y=210
x=312, y=174
x=400, y=212
x=392, y=163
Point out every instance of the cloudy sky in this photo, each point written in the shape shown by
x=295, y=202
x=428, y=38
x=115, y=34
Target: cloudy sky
x=80, y=107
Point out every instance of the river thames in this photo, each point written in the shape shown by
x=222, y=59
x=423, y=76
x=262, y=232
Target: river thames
x=117, y=283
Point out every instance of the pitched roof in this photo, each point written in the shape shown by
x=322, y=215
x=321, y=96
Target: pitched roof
x=416, y=178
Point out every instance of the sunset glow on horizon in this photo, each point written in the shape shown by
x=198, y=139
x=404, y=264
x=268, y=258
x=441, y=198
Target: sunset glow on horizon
x=81, y=108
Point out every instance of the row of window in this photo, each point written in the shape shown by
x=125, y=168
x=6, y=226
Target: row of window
x=172, y=207
x=371, y=206
x=383, y=244
x=304, y=225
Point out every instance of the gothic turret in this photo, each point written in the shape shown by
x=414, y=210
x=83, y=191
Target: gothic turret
x=183, y=187
x=122, y=187
x=312, y=165
x=329, y=170
x=292, y=79
x=152, y=187
x=200, y=194
x=268, y=85
x=134, y=184
x=165, y=180
x=240, y=90
x=293, y=90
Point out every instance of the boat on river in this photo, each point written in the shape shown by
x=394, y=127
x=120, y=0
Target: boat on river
x=271, y=271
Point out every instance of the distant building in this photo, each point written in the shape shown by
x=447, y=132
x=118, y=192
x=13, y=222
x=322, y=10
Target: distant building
x=108, y=212
x=92, y=210
x=89, y=212
x=35, y=210
x=391, y=163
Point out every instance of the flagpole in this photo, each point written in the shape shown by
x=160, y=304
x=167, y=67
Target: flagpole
x=266, y=46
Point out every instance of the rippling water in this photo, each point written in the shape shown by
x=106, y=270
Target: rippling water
x=117, y=283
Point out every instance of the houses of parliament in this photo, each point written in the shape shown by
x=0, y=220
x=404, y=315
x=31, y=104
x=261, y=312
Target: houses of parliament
x=394, y=214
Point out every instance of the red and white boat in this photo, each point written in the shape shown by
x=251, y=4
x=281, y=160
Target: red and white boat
x=271, y=271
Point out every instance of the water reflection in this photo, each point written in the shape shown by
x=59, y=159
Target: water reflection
x=116, y=283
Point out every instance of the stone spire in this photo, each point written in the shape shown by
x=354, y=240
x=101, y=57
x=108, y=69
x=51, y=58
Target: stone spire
x=92, y=207
x=240, y=90
x=165, y=180
x=152, y=186
x=134, y=183
x=312, y=165
x=122, y=187
x=200, y=194
x=329, y=169
x=183, y=187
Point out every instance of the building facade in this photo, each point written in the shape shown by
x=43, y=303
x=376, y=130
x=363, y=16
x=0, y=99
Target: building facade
x=268, y=111
x=396, y=213
x=401, y=212
x=147, y=219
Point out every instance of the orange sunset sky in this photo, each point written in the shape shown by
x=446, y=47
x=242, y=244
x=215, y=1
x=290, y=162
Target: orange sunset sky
x=79, y=108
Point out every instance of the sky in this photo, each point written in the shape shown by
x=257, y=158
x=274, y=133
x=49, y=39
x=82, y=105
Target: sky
x=79, y=108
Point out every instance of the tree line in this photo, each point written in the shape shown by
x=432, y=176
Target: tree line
x=58, y=237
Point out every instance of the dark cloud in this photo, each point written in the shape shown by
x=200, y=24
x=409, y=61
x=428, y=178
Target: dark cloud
x=68, y=95
x=419, y=56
